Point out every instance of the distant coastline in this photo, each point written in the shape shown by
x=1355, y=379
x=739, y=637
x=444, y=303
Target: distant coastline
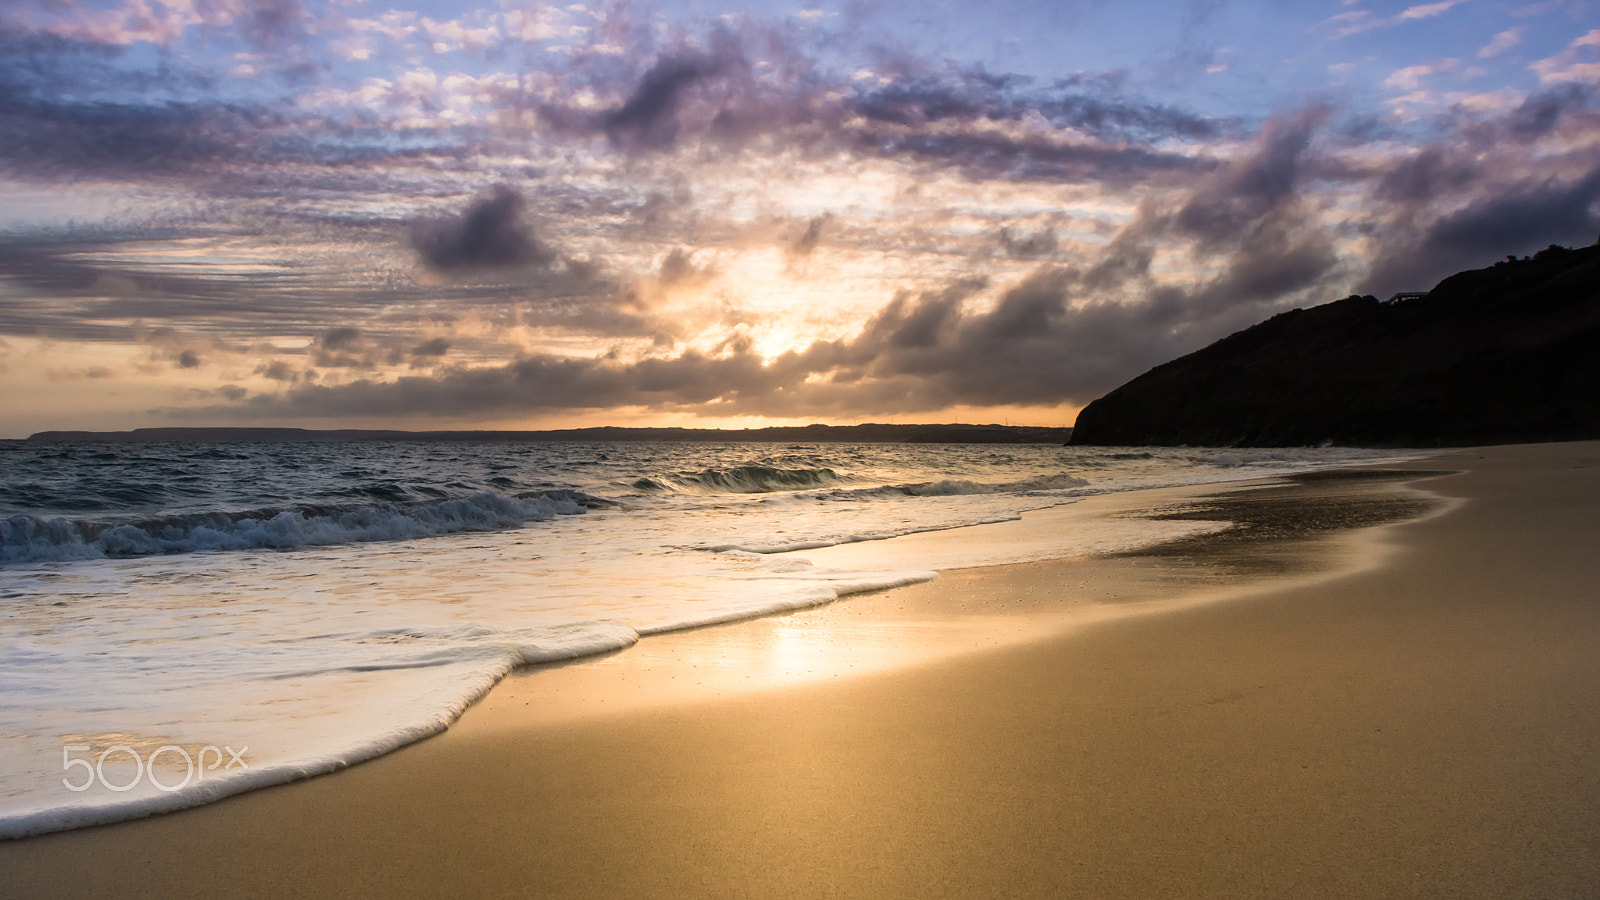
x=871, y=433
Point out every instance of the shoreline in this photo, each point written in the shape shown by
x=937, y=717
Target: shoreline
x=965, y=611
x=874, y=636
x=1248, y=747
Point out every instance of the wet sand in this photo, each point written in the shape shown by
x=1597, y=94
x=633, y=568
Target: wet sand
x=1283, y=709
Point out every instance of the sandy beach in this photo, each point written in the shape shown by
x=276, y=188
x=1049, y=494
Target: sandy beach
x=1304, y=709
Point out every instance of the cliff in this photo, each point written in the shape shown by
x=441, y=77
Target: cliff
x=1506, y=354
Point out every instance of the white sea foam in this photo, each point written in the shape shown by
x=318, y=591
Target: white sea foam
x=317, y=659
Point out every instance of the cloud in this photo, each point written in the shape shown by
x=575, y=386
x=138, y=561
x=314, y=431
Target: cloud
x=1576, y=63
x=1429, y=10
x=257, y=22
x=1240, y=194
x=1433, y=172
x=678, y=270
x=1044, y=340
x=268, y=23
x=1047, y=340
x=1020, y=244
x=748, y=85
x=73, y=139
x=433, y=347
x=1280, y=259
x=1410, y=78
x=1028, y=157
x=1353, y=21
x=89, y=372
x=646, y=120
x=805, y=243
x=341, y=338
x=1085, y=104
x=688, y=93
x=658, y=200
x=490, y=234
x=534, y=382
x=1501, y=42
x=1541, y=114
x=917, y=322
x=278, y=370
x=1356, y=21
x=1517, y=218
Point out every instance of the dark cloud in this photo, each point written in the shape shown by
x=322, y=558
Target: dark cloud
x=1062, y=334
x=278, y=370
x=346, y=347
x=646, y=120
x=89, y=372
x=1031, y=308
x=1214, y=245
x=341, y=338
x=1042, y=342
x=71, y=140
x=70, y=289
x=716, y=98
x=532, y=383
x=679, y=270
x=75, y=109
x=1273, y=265
x=933, y=99
x=1127, y=258
x=654, y=111
x=805, y=243
x=918, y=322
x=269, y=23
x=1019, y=244
x=983, y=155
x=1434, y=171
x=1088, y=105
x=1517, y=218
x=1540, y=114
x=1240, y=194
x=659, y=210
x=490, y=234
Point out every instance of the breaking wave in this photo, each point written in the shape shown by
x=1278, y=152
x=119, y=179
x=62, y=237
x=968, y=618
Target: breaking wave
x=34, y=539
x=1060, y=481
x=741, y=480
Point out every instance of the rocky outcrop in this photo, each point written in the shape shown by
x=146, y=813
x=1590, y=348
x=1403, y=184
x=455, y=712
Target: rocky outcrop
x=1506, y=354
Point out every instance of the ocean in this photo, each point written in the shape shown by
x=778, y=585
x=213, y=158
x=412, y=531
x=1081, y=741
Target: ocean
x=182, y=622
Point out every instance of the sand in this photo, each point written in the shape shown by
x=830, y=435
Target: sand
x=1390, y=711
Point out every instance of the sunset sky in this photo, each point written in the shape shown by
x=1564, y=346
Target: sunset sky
x=434, y=215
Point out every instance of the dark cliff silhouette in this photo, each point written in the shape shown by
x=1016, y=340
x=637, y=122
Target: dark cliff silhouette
x=1506, y=354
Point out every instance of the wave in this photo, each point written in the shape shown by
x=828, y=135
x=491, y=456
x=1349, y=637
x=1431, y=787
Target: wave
x=1060, y=481
x=25, y=539
x=766, y=547
x=740, y=480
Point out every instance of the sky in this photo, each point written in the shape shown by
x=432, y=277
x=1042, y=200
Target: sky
x=730, y=214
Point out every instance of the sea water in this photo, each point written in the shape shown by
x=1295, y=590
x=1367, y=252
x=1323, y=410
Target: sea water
x=181, y=622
